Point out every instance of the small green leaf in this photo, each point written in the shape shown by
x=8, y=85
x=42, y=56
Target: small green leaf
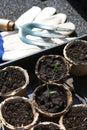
x=56, y=64
x=50, y=91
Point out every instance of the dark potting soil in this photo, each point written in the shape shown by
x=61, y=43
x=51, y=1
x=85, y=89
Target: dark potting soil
x=17, y=112
x=47, y=127
x=11, y=79
x=52, y=68
x=78, y=52
x=53, y=102
x=76, y=119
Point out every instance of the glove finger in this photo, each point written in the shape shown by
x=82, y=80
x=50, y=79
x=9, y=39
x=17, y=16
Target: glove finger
x=63, y=40
x=28, y=16
x=54, y=20
x=68, y=25
x=44, y=14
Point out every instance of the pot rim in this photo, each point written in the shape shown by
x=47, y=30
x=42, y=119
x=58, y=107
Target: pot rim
x=47, y=123
x=57, y=56
x=12, y=93
x=49, y=114
x=35, y=113
x=65, y=54
x=73, y=106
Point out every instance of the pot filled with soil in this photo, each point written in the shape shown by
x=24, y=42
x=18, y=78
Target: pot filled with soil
x=51, y=68
x=18, y=113
x=76, y=118
x=47, y=126
x=52, y=100
x=13, y=81
x=76, y=53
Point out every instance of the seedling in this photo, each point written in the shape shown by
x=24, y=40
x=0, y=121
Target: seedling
x=50, y=91
x=56, y=64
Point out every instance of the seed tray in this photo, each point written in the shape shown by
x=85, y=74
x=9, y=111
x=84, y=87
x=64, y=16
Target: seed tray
x=76, y=13
x=28, y=63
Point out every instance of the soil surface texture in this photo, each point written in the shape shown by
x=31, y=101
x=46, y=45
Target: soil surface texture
x=77, y=52
x=51, y=102
x=11, y=79
x=76, y=119
x=17, y=112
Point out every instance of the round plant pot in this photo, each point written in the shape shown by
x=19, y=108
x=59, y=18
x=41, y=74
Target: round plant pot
x=52, y=100
x=47, y=126
x=18, y=113
x=13, y=81
x=75, y=53
x=76, y=118
x=51, y=68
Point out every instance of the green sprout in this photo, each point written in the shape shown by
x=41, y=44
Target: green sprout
x=56, y=64
x=50, y=91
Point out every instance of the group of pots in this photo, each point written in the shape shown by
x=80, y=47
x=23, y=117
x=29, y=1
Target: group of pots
x=52, y=99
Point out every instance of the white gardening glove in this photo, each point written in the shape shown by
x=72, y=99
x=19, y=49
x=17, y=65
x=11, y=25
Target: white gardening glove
x=11, y=47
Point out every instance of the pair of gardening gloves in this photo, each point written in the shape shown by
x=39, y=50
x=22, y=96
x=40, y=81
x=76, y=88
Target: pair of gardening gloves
x=11, y=47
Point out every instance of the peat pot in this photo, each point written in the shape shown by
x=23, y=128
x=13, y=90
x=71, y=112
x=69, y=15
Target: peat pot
x=18, y=113
x=52, y=100
x=75, y=118
x=75, y=53
x=51, y=68
x=47, y=126
x=13, y=81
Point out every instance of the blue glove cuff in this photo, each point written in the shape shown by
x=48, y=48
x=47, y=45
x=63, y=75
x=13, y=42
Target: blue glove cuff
x=1, y=47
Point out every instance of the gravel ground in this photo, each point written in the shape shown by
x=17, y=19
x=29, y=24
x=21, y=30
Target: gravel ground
x=12, y=9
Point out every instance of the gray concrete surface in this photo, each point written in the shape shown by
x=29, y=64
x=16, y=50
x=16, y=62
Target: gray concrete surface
x=12, y=9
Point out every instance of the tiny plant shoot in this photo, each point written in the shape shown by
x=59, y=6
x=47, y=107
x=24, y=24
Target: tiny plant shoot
x=50, y=91
x=56, y=64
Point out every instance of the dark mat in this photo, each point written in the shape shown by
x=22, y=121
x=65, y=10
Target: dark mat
x=74, y=9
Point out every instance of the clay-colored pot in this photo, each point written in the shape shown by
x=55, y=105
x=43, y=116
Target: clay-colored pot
x=16, y=101
x=75, y=118
x=58, y=88
x=78, y=58
x=7, y=75
x=52, y=68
